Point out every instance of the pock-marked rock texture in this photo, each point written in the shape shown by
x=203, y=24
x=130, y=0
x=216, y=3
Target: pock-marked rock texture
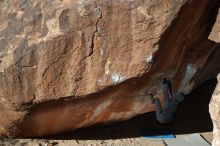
x=66, y=64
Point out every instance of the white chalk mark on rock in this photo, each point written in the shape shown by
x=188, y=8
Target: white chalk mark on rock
x=149, y=58
x=116, y=78
x=189, y=74
x=156, y=47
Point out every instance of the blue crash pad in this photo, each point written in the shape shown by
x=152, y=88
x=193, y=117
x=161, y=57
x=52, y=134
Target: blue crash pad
x=161, y=133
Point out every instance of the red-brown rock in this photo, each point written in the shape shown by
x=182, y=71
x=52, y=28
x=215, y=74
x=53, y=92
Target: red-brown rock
x=67, y=64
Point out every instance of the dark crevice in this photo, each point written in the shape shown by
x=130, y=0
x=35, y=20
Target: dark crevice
x=96, y=31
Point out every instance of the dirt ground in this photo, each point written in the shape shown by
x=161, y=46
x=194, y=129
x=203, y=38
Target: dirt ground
x=137, y=141
x=192, y=117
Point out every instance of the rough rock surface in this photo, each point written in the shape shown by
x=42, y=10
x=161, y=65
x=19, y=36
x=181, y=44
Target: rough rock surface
x=214, y=106
x=215, y=33
x=214, y=109
x=67, y=64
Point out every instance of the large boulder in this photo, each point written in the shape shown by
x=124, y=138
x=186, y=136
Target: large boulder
x=67, y=64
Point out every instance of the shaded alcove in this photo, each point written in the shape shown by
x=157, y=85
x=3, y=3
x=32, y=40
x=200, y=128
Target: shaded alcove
x=192, y=117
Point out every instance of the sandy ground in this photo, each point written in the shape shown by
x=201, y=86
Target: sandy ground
x=139, y=141
x=192, y=117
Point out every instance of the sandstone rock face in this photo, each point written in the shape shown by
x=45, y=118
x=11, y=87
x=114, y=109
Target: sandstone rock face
x=215, y=33
x=214, y=109
x=67, y=64
x=214, y=105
